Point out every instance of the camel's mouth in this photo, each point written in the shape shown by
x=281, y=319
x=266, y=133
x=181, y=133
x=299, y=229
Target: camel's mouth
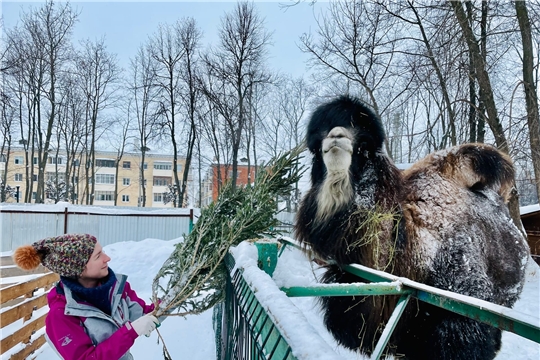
x=336, y=146
x=337, y=149
x=338, y=139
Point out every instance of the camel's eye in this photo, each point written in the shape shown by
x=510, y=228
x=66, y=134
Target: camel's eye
x=478, y=188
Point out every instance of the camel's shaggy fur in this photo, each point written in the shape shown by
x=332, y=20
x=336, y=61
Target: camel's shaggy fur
x=443, y=222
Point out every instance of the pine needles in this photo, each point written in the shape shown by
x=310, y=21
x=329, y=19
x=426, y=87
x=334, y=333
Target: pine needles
x=192, y=280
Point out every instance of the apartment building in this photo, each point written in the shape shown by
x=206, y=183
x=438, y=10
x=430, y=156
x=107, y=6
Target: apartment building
x=158, y=174
x=211, y=180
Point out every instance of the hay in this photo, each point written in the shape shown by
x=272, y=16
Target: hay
x=375, y=230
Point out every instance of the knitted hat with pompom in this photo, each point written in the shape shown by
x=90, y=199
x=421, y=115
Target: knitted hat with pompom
x=66, y=255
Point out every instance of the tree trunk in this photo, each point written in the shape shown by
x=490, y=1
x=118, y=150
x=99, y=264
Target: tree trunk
x=487, y=97
x=142, y=199
x=531, y=98
x=472, y=89
x=482, y=77
x=440, y=77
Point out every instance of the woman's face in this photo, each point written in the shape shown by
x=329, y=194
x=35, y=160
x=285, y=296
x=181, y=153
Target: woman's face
x=97, y=267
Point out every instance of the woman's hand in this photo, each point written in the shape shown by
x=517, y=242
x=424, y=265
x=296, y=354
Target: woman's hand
x=145, y=324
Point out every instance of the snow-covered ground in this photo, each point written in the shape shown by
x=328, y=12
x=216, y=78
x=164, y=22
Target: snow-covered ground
x=193, y=337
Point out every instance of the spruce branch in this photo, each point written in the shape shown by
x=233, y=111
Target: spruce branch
x=192, y=280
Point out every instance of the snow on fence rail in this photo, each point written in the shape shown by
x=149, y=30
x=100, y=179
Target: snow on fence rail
x=22, y=317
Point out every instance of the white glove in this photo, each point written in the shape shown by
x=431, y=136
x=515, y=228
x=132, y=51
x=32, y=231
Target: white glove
x=145, y=324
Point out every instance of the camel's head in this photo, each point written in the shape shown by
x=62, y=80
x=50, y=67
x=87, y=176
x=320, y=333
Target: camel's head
x=342, y=135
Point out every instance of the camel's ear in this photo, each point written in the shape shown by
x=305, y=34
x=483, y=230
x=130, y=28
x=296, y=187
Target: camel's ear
x=479, y=166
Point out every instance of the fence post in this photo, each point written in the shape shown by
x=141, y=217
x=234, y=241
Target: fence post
x=267, y=250
x=65, y=220
x=190, y=220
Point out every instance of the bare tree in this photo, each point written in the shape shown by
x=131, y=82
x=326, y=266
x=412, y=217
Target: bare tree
x=7, y=129
x=531, y=98
x=71, y=127
x=120, y=142
x=414, y=15
x=212, y=129
x=27, y=79
x=143, y=98
x=256, y=115
x=98, y=72
x=279, y=115
x=190, y=36
x=481, y=75
x=166, y=50
x=486, y=93
x=49, y=29
x=237, y=66
x=355, y=44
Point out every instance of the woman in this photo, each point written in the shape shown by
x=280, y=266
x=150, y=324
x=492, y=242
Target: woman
x=94, y=313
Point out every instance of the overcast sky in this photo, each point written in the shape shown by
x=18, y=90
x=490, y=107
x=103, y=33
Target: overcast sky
x=126, y=25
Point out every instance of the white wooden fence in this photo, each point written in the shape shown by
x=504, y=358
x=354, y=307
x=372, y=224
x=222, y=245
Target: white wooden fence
x=25, y=223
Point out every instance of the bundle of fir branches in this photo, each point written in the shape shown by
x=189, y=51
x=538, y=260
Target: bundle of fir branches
x=192, y=280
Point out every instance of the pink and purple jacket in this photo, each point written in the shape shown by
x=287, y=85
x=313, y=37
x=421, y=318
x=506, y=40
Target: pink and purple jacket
x=77, y=330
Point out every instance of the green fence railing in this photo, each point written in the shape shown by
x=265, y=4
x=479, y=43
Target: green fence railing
x=247, y=332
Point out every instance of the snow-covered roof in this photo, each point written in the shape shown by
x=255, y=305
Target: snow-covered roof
x=529, y=209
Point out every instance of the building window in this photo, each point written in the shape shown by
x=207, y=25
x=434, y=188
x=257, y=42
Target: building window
x=162, y=181
x=104, y=195
x=52, y=176
x=125, y=198
x=76, y=162
x=36, y=161
x=162, y=166
x=74, y=179
x=18, y=177
x=34, y=177
x=54, y=160
x=145, y=166
x=237, y=174
x=105, y=163
x=19, y=160
x=2, y=157
x=104, y=178
x=126, y=164
x=158, y=197
x=34, y=195
x=126, y=181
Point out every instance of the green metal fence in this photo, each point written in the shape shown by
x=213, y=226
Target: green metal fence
x=243, y=328
x=245, y=331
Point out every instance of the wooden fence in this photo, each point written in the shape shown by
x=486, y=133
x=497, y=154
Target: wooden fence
x=23, y=302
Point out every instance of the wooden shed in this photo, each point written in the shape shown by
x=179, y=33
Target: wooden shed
x=530, y=217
